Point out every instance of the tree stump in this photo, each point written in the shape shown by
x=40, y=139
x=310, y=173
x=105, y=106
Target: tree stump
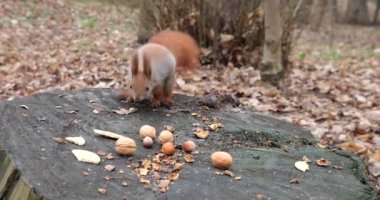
x=264, y=149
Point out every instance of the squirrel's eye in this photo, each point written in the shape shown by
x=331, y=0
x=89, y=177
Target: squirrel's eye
x=147, y=89
x=130, y=86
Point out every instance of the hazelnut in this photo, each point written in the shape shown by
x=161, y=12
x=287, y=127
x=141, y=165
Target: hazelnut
x=148, y=142
x=221, y=160
x=165, y=136
x=188, y=146
x=125, y=146
x=147, y=130
x=168, y=148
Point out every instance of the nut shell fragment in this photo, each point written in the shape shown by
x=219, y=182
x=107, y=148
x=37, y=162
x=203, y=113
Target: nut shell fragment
x=107, y=134
x=86, y=156
x=302, y=166
x=76, y=140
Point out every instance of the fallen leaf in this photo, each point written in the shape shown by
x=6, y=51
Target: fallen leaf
x=173, y=176
x=164, y=185
x=124, y=184
x=85, y=173
x=374, y=169
x=144, y=180
x=200, y=133
x=178, y=166
x=323, y=162
x=352, y=147
x=302, y=166
x=237, y=178
x=156, y=175
x=374, y=116
x=215, y=126
x=144, y=171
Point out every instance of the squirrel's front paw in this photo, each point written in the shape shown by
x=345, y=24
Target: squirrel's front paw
x=156, y=103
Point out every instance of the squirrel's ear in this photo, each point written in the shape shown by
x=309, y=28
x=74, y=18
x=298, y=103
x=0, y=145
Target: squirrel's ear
x=134, y=63
x=147, y=67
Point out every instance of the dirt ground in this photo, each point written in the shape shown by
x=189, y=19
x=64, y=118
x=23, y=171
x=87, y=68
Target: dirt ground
x=333, y=88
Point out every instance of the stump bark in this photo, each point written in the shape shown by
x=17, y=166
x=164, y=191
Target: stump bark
x=33, y=166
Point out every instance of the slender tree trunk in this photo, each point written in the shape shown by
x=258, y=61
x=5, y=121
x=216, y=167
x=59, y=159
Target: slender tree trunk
x=271, y=66
x=376, y=14
x=147, y=20
x=357, y=12
x=334, y=10
x=318, y=11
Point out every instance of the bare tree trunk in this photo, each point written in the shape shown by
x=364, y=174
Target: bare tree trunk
x=271, y=66
x=357, y=12
x=318, y=11
x=147, y=19
x=334, y=10
x=376, y=14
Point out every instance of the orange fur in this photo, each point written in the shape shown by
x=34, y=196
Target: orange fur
x=183, y=46
x=152, y=74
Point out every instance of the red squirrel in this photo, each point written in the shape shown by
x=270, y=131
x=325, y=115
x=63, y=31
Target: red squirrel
x=154, y=65
x=152, y=72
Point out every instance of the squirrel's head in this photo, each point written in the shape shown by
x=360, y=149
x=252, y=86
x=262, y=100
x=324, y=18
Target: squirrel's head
x=140, y=85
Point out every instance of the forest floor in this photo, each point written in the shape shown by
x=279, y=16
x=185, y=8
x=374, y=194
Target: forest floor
x=333, y=89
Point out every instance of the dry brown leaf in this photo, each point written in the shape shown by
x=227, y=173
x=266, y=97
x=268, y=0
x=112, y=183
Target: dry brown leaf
x=200, y=133
x=85, y=173
x=144, y=171
x=164, y=185
x=178, y=166
x=352, y=147
x=144, y=180
x=323, y=162
x=237, y=178
x=173, y=176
